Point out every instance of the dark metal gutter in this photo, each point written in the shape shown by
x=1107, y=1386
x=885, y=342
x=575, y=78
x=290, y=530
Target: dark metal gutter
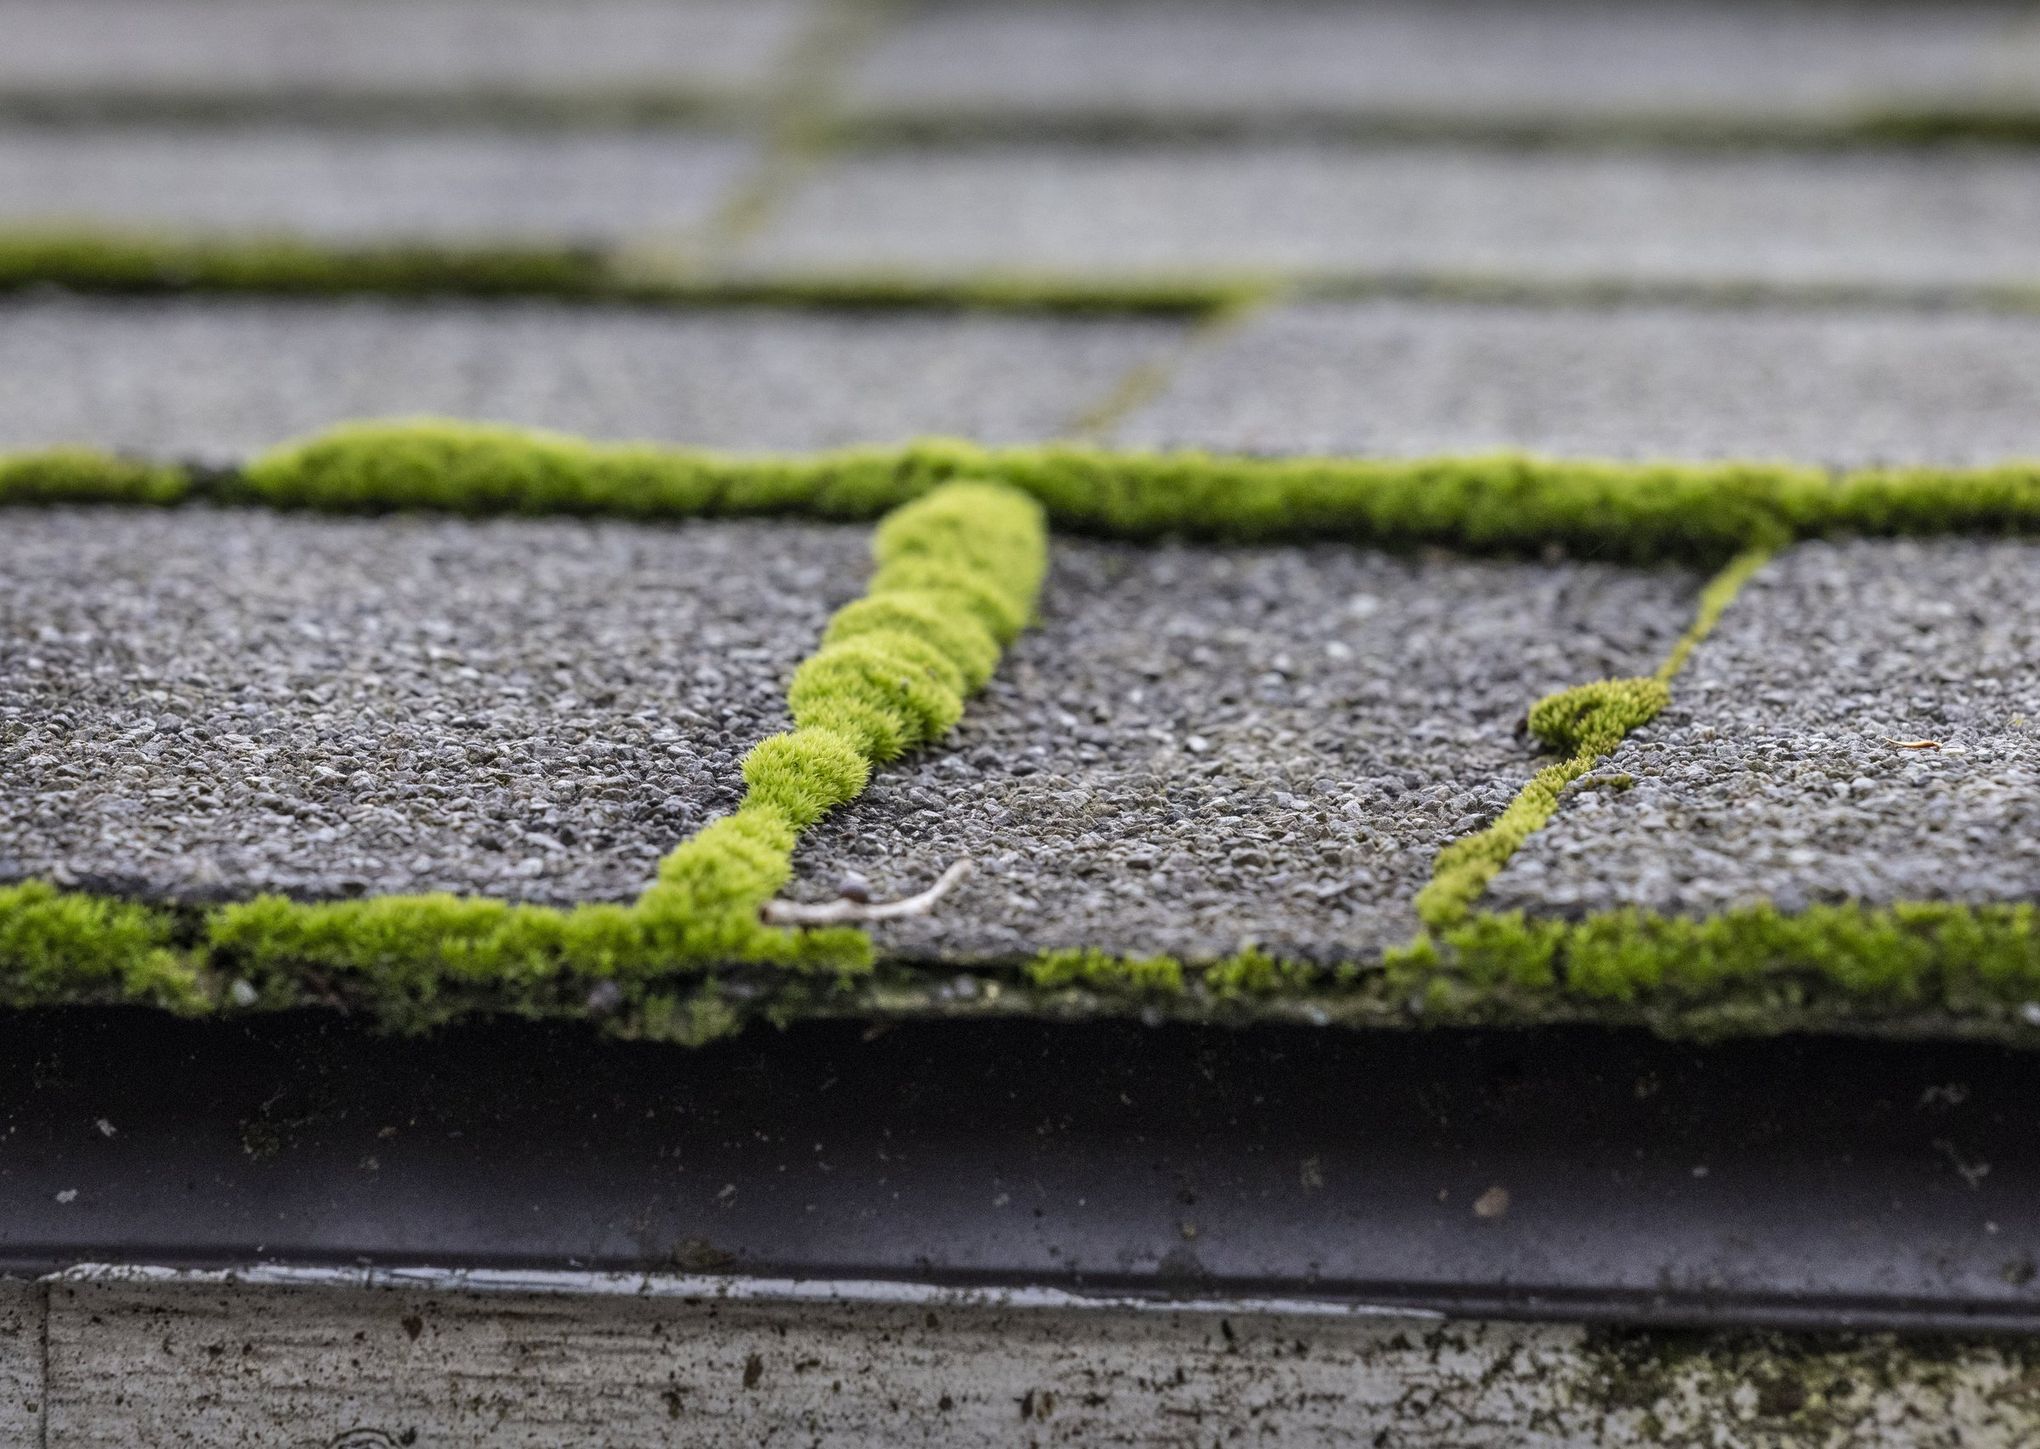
x=1567, y=1174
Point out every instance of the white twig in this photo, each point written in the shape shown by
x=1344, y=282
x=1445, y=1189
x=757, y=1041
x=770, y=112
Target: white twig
x=838, y=912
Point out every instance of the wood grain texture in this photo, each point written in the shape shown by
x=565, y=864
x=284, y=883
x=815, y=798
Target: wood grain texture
x=21, y=1388
x=226, y=1365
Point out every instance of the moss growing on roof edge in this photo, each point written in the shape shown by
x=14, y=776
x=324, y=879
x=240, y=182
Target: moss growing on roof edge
x=1933, y=956
x=1933, y=969
x=1498, y=503
x=957, y=575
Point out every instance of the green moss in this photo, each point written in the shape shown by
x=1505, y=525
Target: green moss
x=1100, y=971
x=891, y=675
x=127, y=263
x=1643, y=512
x=1583, y=724
x=1254, y=973
x=87, y=475
x=1635, y=513
x=382, y=107
x=1118, y=126
x=60, y=947
x=97, y=261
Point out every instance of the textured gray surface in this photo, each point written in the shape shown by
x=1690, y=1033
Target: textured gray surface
x=212, y=704
x=1775, y=774
x=1861, y=218
x=1388, y=377
x=1198, y=747
x=221, y=378
x=356, y=186
x=133, y=1363
x=21, y=1362
x=1494, y=60
x=284, y=48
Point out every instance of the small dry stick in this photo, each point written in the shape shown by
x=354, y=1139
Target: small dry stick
x=1924, y=745
x=839, y=912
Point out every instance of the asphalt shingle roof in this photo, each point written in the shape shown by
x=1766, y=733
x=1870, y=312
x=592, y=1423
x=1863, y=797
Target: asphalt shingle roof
x=1589, y=230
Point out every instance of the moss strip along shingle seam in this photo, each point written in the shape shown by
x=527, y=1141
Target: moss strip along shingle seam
x=958, y=572
x=1583, y=723
x=1495, y=504
x=1106, y=125
x=142, y=264
x=139, y=263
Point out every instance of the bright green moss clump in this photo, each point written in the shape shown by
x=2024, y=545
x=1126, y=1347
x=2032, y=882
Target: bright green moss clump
x=86, y=475
x=1490, y=504
x=1585, y=723
x=958, y=573
x=58, y=947
x=1582, y=724
x=1913, y=957
x=1633, y=512
x=1497, y=504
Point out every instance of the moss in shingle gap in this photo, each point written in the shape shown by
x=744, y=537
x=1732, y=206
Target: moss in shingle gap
x=128, y=264
x=88, y=475
x=1494, y=504
x=142, y=264
x=1123, y=126
x=958, y=573
x=1500, y=503
x=1583, y=724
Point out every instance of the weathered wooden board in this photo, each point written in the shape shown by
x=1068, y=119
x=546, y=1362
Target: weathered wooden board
x=224, y=1364
x=21, y=1348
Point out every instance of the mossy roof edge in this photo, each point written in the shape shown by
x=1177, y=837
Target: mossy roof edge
x=416, y=960
x=1912, y=970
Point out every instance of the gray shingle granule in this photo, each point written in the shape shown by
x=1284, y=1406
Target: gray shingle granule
x=208, y=704
x=340, y=47
x=467, y=185
x=1897, y=218
x=1198, y=747
x=1816, y=385
x=1774, y=776
x=219, y=378
x=1273, y=58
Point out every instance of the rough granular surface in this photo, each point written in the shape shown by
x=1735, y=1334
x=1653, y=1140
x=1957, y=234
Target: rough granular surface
x=210, y=704
x=1813, y=384
x=224, y=377
x=1836, y=218
x=211, y=47
x=1864, y=725
x=1274, y=58
x=1202, y=747
x=368, y=186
